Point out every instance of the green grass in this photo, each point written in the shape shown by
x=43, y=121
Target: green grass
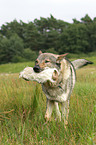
x=23, y=105
x=14, y=67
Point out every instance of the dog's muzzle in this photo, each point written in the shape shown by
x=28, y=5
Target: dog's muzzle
x=36, y=68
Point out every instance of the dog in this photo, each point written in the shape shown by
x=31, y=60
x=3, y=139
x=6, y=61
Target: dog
x=60, y=90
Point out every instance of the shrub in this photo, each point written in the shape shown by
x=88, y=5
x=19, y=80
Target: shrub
x=29, y=54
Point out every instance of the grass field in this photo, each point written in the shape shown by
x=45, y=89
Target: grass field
x=23, y=105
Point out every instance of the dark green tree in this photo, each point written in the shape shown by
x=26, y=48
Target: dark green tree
x=19, y=40
x=31, y=37
x=10, y=48
x=13, y=27
x=86, y=19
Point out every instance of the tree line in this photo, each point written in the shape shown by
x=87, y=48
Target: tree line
x=21, y=41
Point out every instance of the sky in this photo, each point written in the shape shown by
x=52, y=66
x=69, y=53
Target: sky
x=28, y=10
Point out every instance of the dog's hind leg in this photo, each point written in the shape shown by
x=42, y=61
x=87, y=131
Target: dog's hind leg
x=57, y=110
x=65, y=111
x=49, y=109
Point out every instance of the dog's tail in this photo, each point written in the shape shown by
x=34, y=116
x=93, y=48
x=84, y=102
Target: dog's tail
x=80, y=63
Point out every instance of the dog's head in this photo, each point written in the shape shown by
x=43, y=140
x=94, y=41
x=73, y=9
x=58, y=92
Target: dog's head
x=48, y=60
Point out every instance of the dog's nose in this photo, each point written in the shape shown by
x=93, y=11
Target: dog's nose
x=36, y=68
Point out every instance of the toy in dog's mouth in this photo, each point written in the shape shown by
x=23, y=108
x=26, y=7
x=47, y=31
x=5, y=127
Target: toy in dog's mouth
x=49, y=74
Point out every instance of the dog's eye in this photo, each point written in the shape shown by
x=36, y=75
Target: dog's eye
x=46, y=61
x=58, y=64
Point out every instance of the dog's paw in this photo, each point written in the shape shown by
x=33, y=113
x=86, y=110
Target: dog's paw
x=47, y=118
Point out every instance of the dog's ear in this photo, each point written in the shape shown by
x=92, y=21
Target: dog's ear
x=60, y=57
x=40, y=52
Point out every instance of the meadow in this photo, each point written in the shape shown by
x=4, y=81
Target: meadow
x=23, y=105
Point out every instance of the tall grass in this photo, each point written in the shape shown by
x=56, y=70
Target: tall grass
x=22, y=110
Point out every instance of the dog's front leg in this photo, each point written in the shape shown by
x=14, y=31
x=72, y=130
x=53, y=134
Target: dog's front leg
x=57, y=110
x=65, y=111
x=49, y=109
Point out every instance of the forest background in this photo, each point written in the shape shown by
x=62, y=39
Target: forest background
x=20, y=42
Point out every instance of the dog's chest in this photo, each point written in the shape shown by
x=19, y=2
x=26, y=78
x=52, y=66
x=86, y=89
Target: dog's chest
x=51, y=91
x=58, y=93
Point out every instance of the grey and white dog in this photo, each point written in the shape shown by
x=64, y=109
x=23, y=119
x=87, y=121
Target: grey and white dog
x=60, y=89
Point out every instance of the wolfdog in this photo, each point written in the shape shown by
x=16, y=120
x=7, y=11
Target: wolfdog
x=61, y=90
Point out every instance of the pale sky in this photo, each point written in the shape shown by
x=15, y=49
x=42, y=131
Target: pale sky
x=28, y=10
